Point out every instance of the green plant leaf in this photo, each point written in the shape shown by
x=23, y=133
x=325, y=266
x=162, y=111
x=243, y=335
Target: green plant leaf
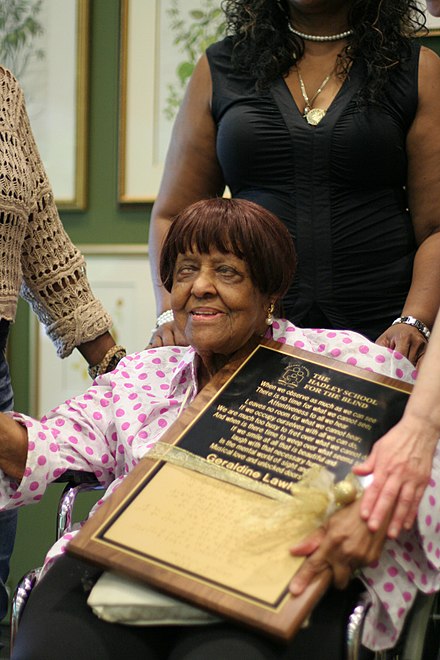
x=185, y=70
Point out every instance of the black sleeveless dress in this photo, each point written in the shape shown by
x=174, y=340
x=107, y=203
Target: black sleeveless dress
x=339, y=187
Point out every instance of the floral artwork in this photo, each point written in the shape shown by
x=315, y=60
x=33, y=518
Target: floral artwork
x=193, y=29
x=44, y=43
x=161, y=42
x=20, y=25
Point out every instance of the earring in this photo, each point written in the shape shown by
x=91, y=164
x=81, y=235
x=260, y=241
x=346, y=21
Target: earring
x=269, y=317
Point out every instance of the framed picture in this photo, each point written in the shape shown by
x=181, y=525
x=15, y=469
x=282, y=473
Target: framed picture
x=120, y=278
x=161, y=42
x=45, y=44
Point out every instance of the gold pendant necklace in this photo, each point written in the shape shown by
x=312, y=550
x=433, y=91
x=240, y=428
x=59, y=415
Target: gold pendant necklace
x=311, y=114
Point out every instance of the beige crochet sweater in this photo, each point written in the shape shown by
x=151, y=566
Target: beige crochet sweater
x=35, y=252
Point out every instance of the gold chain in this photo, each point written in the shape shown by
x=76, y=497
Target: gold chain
x=313, y=115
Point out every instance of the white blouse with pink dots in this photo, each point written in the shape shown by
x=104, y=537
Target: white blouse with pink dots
x=111, y=427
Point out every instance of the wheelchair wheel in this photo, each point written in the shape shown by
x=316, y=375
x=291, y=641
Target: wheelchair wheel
x=421, y=639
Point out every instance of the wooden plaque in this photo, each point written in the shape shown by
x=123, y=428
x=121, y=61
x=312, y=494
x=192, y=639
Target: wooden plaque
x=268, y=417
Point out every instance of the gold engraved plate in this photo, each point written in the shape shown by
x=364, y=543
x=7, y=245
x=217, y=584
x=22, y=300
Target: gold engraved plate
x=315, y=115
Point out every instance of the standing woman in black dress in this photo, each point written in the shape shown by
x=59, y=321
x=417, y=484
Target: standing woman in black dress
x=326, y=113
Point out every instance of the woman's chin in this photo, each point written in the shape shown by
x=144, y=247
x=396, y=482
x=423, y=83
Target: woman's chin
x=214, y=348
x=208, y=335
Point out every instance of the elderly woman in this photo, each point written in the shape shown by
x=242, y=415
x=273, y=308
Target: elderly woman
x=325, y=112
x=226, y=264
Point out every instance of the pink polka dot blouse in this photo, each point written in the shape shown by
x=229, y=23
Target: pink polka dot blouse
x=112, y=426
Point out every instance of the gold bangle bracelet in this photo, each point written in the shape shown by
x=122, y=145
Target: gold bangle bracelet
x=110, y=359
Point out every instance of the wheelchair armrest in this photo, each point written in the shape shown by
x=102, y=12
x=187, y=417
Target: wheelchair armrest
x=77, y=482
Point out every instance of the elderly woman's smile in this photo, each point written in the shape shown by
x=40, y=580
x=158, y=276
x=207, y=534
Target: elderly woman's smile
x=215, y=302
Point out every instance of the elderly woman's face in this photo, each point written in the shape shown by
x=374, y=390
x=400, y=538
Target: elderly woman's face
x=215, y=302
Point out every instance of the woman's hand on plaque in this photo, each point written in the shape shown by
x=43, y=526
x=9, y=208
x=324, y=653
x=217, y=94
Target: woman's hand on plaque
x=342, y=546
x=401, y=463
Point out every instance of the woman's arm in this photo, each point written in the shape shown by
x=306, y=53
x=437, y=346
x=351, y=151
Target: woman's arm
x=80, y=434
x=191, y=172
x=401, y=460
x=13, y=447
x=54, y=274
x=423, y=150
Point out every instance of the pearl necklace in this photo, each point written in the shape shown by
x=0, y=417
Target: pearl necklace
x=319, y=37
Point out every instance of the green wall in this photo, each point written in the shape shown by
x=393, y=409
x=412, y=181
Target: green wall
x=104, y=221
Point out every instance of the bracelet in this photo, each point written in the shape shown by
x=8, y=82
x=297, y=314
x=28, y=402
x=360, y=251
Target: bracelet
x=410, y=320
x=165, y=317
x=108, y=362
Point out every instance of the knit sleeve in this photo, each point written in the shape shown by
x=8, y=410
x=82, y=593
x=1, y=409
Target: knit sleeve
x=54, y=275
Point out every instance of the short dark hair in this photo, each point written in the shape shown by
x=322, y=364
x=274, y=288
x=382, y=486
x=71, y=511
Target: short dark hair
x=243, y=228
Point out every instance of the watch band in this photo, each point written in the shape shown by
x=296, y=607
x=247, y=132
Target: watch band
x=411, y=320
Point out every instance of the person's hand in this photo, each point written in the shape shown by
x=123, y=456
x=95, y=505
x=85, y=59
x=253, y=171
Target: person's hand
x=405, y=339
x=401, y=463
x=342, y=546
x=167, y=335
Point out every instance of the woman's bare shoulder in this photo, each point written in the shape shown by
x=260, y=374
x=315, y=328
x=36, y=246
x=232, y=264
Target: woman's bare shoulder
x=429, y=63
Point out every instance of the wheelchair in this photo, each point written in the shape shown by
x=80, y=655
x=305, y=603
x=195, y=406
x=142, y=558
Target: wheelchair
x=420, y=639
x=75, y=483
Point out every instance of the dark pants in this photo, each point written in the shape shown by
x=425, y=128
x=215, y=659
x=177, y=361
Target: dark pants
x=57, y=623
x=8, y=519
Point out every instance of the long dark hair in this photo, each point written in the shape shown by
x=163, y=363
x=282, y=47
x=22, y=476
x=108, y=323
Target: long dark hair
x=266, y=48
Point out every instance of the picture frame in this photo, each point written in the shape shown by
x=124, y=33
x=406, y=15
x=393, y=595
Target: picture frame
x=53, y=71
x=120, y=277
x=155, y=63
